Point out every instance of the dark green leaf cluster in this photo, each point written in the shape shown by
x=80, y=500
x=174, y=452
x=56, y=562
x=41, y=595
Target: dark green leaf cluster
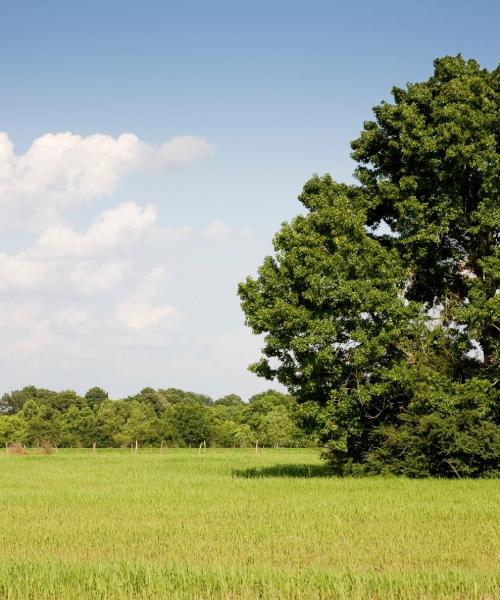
x=381, y=305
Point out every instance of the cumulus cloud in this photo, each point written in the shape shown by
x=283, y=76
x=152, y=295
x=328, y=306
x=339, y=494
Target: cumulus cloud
x=89, y=278
x=25, y=328
x=72, y=316
x=112, y=227
x=63, y=254
x=64, y=169
x=82, y=303
x=181, y=150
x=72, y=322
x=22, y=273
x=140, y=313
x=217, y=230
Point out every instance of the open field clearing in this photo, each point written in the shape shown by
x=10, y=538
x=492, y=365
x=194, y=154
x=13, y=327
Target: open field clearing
x=236, y=524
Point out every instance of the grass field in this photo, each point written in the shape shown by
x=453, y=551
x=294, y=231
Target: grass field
x=236, y=524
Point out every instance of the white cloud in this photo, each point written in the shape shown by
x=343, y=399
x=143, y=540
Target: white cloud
x=17, y=313
x=139, y=312
x=22, y=273
x=89, y=278
x=63, y=169
x=239, y=348
x=25, y=328
x=58, y=253
x=74, y=323
x=113, y=227
x=217, y=230
x=182, y=150
x=84, y=304
x=72, y=316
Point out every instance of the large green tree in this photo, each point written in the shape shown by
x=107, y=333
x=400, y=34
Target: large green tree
x=381, y=303
x=430, y=167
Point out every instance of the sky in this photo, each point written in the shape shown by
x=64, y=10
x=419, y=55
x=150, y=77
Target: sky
x=150, y=151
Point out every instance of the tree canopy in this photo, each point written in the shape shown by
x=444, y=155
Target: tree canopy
x=381, y=304
x=174, y=417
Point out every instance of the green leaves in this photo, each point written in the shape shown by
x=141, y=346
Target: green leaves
x=331, y=298
x=391, y=287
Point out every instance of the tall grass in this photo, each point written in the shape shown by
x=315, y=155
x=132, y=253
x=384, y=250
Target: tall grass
x=15, y=448
x=236, y=524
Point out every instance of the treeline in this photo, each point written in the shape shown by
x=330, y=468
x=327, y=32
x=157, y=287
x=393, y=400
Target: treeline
x=174, y=417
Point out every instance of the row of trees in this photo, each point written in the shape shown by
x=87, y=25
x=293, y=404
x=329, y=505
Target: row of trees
x=381, y=304
x=33, y=416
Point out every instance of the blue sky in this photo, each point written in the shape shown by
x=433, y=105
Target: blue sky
x=120, y=259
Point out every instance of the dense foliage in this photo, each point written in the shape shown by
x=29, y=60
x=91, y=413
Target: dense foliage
x=381, y=304
x=34, y=416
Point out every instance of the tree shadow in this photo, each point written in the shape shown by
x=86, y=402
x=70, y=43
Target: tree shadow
x=296, y=471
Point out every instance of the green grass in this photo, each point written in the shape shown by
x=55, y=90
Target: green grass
x=235, y=524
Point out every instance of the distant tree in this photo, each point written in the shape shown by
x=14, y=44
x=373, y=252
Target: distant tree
x=151, y=398
x=41, y=423
x=192, y=421
x=95, y=397
x=141, y=425
x=174, y=395
x=30, y=410
x=264, y=402
x=68, y=420
x=229, y=408
x=61, y=401
x=110, y=418
x=231, y=434
x=229, y=400
x=12, y=430
x=12, y=402
x=167, y=428
x=76, y=427
x=276, y=428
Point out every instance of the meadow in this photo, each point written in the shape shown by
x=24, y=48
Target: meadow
x=118, y=525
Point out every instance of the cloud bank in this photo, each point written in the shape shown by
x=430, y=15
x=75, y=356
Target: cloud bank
x=119, y=297
x=61, y=170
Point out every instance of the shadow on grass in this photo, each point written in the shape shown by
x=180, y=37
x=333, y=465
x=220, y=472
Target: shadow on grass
x=298, y=471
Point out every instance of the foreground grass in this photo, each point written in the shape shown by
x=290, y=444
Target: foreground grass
x=235, y=524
